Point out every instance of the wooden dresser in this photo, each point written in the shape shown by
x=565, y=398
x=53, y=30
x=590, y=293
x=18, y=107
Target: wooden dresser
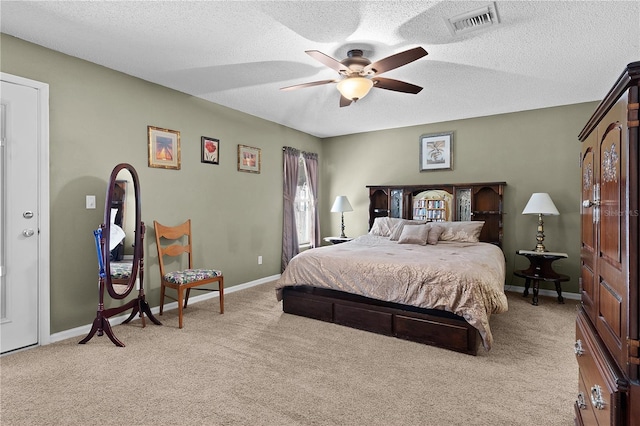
x=607, y=325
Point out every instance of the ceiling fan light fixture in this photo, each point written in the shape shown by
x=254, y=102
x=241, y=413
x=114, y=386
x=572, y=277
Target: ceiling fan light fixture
x=354, y=88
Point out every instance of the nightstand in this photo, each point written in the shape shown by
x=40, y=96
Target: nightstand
x=337, y=240
x=540, y=270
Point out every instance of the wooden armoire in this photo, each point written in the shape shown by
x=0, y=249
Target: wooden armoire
x=608, y=325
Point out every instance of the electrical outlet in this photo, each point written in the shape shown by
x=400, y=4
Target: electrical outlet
x=259, y=260
x=91, y=201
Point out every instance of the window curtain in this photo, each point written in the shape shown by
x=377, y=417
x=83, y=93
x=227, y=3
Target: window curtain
x=311, y=163
x=291, y=156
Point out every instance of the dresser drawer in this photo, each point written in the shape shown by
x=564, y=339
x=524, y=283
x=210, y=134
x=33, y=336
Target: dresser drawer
x=585, y=416
x=603, y=385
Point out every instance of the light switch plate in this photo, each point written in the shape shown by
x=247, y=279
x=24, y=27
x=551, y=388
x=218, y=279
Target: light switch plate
x=91, y=201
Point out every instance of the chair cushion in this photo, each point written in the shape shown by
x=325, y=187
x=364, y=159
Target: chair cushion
x=191, y=275
x=120, y=270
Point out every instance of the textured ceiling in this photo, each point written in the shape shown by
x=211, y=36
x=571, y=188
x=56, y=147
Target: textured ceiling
x=239, y=53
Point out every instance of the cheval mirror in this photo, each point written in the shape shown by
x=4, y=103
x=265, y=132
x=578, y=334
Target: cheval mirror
x=119, y=273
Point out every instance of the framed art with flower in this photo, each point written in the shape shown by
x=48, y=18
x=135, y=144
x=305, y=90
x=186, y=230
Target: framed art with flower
x=164, y=148
x=436, y=152
x=210, y=150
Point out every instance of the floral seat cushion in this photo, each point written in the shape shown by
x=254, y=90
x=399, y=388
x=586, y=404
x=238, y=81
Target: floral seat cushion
x=120, y=270
x=191, y=275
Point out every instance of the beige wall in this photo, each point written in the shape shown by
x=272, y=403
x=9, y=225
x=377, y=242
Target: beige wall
x=532, y=151
x=99, y=118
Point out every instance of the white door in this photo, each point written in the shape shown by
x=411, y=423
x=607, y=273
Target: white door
x=19, y=217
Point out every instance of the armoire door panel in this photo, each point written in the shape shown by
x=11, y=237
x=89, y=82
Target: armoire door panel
x=610, y=311
x=611, y=272
x=611, y=194
x=587, y=209
x=588, y=291
x=588, y=212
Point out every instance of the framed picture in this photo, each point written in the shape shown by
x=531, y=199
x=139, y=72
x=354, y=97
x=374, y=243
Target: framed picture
x=436, y=152
x=164, y=148
x=248, y=159
x=210, y=150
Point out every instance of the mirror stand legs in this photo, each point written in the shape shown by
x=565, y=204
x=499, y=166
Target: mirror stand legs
x=101, y=323
x=143, y=308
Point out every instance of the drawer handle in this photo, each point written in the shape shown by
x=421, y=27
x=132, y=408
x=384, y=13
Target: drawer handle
x=581, y=402
x=577, y=348
x=596, y=397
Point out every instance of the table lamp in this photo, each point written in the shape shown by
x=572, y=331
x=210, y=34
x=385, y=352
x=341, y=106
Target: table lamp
x=541, y=204
x=341, y=205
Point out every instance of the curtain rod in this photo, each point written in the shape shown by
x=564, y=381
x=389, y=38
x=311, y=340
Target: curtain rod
x=284, y=148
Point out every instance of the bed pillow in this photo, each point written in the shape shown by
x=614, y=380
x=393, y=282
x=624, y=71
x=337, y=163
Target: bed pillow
x=435, y=231
x=463, y=231
x=414, y=234
x=397, y=229
x=383, y=226
x=380, y=227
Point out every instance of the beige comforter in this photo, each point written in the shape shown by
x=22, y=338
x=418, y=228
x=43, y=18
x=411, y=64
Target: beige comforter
x=464, y=278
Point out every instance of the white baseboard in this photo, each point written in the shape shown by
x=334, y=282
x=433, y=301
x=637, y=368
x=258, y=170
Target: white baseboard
x=85, y=329
x=542, y=292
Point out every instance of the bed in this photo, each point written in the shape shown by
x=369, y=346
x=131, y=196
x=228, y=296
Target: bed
x=400, y=281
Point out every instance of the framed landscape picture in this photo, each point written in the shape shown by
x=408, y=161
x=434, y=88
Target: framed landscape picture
x=436, y=152
x=164, y=148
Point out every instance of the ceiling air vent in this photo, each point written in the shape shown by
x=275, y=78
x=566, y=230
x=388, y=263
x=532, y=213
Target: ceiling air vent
x=476, y=19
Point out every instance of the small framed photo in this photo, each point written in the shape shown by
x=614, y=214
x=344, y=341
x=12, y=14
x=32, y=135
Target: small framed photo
x=248, y=159
x=164, y=148
x=210, y=150
x=436, y=152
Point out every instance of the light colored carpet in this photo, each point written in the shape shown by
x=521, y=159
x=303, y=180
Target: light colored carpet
x=255, y=365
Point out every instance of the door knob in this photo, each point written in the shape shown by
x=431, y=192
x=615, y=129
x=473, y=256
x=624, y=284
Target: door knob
x=588, y=203
x=28, y=232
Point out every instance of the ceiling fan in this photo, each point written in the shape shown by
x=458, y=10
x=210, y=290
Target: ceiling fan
x=359, y=74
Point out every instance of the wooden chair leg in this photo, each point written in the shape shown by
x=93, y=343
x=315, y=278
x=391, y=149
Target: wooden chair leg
x=180, y=307
x=162, y=287
x=186, y=297
x=221, y=291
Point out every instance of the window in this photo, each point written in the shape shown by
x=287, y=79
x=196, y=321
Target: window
x=303, y=206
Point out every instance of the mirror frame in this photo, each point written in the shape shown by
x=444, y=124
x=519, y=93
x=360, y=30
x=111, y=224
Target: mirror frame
x=106, y=232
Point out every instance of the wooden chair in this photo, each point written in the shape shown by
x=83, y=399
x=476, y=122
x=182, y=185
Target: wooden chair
x=177, y=242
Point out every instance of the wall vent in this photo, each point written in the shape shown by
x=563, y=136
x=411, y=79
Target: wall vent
x=473, y=20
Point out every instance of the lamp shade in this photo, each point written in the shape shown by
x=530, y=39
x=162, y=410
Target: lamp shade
x=354, y=88
x=540, y=203
x=341, y=204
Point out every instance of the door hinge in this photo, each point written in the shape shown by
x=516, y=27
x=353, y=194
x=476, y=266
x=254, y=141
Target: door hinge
x=634, y=351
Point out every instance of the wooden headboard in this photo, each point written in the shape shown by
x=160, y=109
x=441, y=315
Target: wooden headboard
x=458, y=202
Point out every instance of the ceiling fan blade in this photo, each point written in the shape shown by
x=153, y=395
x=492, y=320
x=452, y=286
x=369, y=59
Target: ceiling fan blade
x=395, y=85
x=344, y=101
x=397, y=60
x=303, y=85
x=327, y=60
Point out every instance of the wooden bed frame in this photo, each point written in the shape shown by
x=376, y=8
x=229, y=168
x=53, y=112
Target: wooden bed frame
x=429, y=326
